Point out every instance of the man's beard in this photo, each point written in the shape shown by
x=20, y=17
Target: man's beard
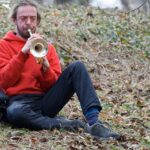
x=25, y=34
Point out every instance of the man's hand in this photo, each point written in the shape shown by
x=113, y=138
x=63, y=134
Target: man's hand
x=27, y=46
x=45, y=64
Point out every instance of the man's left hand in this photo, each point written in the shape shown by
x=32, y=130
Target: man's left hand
x=45, y=64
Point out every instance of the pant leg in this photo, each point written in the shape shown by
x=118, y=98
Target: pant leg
x=74, y=79
x=25, y=111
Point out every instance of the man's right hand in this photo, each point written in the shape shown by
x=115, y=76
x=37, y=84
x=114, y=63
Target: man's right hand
x=27, y=46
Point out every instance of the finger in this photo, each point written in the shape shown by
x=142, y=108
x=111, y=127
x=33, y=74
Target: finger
x=45, y=68
x=36, y=35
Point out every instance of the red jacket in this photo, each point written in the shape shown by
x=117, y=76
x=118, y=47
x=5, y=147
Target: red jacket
x=19, y=72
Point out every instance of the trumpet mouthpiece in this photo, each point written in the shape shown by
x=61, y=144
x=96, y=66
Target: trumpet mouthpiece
x=29, y=30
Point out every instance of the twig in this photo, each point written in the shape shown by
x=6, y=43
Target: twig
x=146, y=1
x=110, y=14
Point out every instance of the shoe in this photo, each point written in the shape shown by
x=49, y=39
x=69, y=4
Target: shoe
x=71, y=125
x=98, y=130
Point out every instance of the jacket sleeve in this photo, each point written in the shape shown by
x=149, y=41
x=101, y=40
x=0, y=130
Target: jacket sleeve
x=49, y=77
x=10, y=67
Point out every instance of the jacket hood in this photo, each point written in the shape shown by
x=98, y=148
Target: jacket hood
x=11, y=36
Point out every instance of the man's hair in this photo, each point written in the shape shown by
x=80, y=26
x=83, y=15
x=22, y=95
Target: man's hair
x=13, y=14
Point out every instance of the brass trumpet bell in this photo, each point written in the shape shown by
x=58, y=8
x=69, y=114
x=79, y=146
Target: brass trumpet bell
x=39, y=48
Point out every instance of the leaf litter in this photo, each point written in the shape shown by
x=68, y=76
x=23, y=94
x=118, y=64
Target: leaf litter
x=115, y=49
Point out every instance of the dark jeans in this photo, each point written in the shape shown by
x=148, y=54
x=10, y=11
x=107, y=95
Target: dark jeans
x=39, y=111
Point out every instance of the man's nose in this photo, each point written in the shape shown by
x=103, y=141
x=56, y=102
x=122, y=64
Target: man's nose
x=28, y=21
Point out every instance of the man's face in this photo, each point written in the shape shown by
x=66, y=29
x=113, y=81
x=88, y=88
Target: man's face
x=26, y=19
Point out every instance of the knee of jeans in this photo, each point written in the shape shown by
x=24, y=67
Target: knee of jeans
x=78, y=65
x=14, y=112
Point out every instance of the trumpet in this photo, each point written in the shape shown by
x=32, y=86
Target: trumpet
x=39, y=48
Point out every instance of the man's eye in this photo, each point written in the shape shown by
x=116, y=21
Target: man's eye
x=33, y=18
x=23, y=18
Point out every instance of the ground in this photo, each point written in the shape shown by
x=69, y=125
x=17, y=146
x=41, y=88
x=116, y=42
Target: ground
x=114, y=46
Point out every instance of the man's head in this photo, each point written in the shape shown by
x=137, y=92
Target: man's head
x=25, y=15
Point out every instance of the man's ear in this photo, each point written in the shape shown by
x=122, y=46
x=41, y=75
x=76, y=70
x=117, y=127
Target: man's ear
x=38, y=23
x=13, y=21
